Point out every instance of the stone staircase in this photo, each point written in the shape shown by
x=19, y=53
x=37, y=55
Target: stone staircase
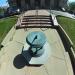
x=34, y=21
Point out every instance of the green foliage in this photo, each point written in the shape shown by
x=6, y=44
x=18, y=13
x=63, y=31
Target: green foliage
x=72, y=6
x=1, y=10
x=5, y=25
x=68, y=25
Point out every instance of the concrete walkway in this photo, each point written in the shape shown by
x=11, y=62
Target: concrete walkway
x=13, y=63
x=60, y=13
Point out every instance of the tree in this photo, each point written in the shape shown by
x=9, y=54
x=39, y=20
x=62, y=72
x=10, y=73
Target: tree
x=1, y=10
x=72, y=6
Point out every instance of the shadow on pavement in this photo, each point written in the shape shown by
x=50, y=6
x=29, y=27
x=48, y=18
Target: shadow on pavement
x=19, y=61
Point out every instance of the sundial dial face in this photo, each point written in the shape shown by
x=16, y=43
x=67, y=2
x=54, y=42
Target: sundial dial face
x=36, y=39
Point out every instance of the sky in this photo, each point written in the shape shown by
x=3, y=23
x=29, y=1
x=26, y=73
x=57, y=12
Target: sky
x=71, y=0
x=5, y=3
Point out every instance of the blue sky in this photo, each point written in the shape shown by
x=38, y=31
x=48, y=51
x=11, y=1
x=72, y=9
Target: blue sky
x=4, y=2
x=71, y=0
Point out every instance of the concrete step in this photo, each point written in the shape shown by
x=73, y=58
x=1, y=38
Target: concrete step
x=24, y=23
x=33, y=26
x=36, y=18
x=31, y=20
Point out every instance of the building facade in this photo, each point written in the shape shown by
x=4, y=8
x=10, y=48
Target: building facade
x=41, y=4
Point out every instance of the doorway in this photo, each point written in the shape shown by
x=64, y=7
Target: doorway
x=37, y=3
x=18, y=3
x=27, y=2
x=47, y=4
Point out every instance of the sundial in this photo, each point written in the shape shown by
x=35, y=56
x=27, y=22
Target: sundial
x=36, y=50
x=36, y=40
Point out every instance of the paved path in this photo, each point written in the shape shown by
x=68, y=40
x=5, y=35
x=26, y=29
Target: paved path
x=66, y=14
x=13, y=63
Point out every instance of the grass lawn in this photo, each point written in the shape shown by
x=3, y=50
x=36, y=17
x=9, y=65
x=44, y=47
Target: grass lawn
x=69, y=26
x=5, y=25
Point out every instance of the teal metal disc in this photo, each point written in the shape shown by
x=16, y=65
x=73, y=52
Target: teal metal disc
x=36, y=39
